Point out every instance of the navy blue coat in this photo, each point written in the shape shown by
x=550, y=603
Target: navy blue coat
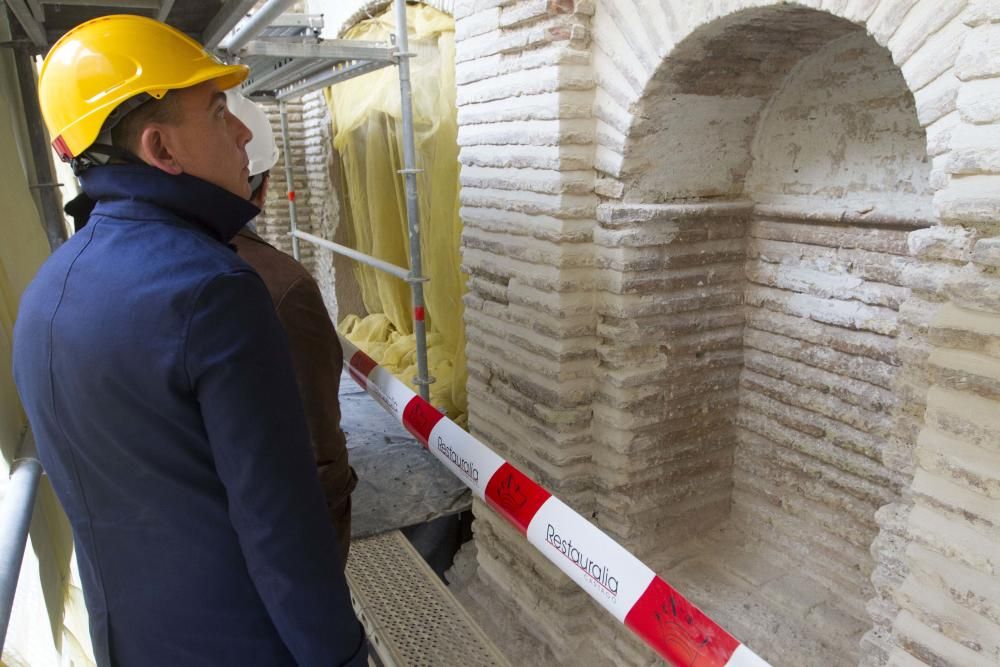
x=160, y=389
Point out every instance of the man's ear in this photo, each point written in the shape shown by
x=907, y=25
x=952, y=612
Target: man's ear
x=155, y=149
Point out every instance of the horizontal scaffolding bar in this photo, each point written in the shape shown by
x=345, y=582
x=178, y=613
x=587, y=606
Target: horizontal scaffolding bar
x=330, y=49
x=374, y=262
x=291, y=19
x=229, y=15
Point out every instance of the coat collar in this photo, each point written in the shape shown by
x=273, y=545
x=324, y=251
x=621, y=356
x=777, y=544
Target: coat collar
x=142, y=192
x=252, y=235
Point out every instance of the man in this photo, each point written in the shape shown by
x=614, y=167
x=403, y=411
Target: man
x=157, y=378
x=316, y=352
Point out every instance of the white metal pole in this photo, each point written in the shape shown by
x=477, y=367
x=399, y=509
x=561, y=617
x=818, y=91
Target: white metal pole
x=374, y=262
x=289, y=183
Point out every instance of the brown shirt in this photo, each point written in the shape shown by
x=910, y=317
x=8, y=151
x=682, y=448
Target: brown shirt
x=318, y=360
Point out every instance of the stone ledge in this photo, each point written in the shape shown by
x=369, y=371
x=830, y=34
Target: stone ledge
x=624, y=214
x=861, y=215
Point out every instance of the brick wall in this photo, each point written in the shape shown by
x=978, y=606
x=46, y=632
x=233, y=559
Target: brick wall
x=274, y=222
x=528, y=208
x=777, y=267
x=670, y=349
x=949, y=599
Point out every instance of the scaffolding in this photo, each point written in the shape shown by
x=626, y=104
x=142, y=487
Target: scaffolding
x=287, y=60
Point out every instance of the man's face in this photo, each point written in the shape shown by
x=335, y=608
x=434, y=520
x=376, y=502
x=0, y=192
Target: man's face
x=209, y=142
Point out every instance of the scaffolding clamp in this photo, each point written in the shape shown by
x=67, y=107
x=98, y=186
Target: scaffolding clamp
x=398, y=54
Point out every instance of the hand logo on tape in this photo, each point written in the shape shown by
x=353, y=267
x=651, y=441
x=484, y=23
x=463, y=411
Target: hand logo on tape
x=509, y=494
x=687, y=642
x=419, y=418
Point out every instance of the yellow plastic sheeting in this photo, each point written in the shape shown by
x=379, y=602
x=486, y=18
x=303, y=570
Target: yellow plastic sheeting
x=367, y=123
x=397, y=353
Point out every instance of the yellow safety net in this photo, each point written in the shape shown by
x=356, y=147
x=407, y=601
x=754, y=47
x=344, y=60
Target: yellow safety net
x=368, y=134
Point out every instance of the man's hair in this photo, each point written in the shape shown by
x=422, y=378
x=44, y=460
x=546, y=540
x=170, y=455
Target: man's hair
x=126, y=134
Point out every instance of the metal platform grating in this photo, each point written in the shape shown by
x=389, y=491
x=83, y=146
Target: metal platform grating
x=289, y=59
x=290, y=66
x=410, y=616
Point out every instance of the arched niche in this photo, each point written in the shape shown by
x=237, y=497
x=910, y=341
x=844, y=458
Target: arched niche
x=789, y=134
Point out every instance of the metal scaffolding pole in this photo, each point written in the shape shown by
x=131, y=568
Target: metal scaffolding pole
x=229, y=15
x=253, y=26
x=15, y=519
x=352, y=61
x=410, y=171
x=289, y=184
x=290, y=79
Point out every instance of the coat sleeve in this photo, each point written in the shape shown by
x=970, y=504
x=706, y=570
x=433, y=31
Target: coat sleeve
x=240, y=369
x=318, y=361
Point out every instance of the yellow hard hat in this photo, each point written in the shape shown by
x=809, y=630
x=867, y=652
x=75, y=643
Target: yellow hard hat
x=101, y=63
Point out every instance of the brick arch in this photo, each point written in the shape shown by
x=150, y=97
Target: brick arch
x=632, y=38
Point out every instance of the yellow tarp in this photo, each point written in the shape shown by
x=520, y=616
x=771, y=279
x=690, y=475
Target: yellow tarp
x=367, y=124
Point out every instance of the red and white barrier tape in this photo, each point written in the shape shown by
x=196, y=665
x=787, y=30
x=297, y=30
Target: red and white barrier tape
x=620, y=582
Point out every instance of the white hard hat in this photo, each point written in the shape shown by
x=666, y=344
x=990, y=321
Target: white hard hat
x=262, y=150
